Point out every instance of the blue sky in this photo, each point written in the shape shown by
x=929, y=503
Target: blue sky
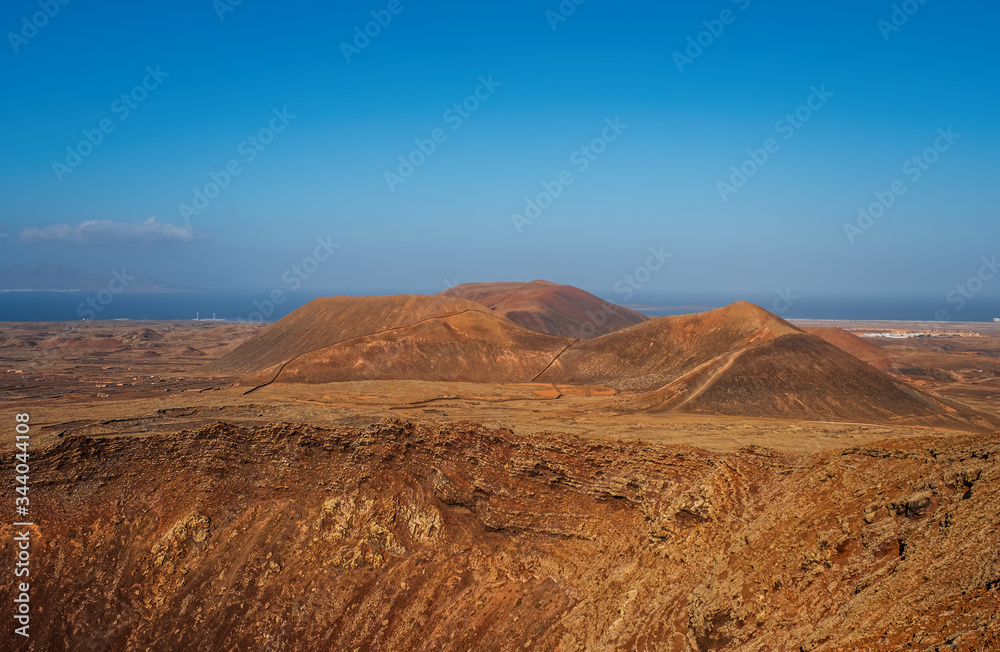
x=220, y=81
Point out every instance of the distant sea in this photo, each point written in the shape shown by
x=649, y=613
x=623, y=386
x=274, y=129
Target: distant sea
x=248, y=305
x=227, y=305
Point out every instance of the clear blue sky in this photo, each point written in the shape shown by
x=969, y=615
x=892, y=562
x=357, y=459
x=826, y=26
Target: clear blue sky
x=656, y=185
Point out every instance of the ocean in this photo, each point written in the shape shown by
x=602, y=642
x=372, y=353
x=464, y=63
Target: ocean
x=226, y=305
x=255, y=306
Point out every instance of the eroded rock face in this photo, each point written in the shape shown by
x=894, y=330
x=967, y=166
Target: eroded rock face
x=404, y=537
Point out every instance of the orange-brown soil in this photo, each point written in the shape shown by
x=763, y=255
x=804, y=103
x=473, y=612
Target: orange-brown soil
x=740, y=360
x=398, y=536
x=546, y=307
x=856, y=346
x=328, y=321
x=469, y=346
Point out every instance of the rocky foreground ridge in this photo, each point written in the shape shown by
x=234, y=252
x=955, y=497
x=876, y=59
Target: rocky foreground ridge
x=406, y=537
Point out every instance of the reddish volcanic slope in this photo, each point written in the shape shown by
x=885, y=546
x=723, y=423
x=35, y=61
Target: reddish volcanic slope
x=799, y=376
x=329, y=320
x=856, y=346
x=738, y=360
x=399, y=536
x=542, y=306
x=470, y=346
x=743, y=360
x=650, y=354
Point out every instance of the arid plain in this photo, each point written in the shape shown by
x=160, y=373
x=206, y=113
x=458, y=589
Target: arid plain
x=510, y=466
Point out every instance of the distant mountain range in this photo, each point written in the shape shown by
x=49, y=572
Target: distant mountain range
x=57, y=278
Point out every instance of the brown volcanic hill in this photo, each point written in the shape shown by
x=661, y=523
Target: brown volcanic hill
x=802, y=377
x=895, y=362
x=328, y=320
x=561, y=310
x=648, y=355
x=856, y=346
x=140, y=337
x=738, y=360
x=397, y=536
x=743, y=360
x=470, y=346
